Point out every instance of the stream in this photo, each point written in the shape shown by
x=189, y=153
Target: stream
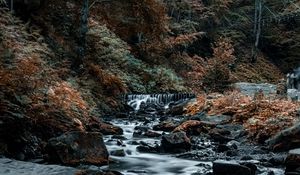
x=134, y=162
x=136, y=153
x=195, y=162
x=140, y=150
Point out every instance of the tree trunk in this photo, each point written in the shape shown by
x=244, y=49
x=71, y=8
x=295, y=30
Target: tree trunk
x=257, y=28
x=83, y=29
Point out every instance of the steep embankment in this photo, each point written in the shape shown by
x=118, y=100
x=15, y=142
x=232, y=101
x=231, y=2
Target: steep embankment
x=39, y=99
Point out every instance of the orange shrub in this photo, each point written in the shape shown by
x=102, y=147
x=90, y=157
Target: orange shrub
x=111, y=83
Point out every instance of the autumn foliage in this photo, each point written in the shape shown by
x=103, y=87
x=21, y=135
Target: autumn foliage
x=30, y=84
x=112, y=84
x=218, y=74
x=262, y=116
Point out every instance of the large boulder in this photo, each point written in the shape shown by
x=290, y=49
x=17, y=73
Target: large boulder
x=286, y=139
x=95, y=125
x=74, y=148
x=167, y=126
x=292, y=162
x=176, y=142
x=221, y=167
x=14, y=167
x=178, y=108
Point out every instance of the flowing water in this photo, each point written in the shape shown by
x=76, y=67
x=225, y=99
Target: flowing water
x=140, y=163
x=137, y=163
x=162, y=100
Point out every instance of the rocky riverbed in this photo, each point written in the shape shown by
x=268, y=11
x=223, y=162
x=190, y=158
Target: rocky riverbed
x=203, y=146
x=160, y=139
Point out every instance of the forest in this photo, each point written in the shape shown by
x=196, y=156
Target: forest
x=150, y=87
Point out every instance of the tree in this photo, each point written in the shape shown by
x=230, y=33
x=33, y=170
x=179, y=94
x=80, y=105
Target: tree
x=257, y=28
x=83, y=29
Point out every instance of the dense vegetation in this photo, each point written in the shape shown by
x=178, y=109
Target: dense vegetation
x=145, y=46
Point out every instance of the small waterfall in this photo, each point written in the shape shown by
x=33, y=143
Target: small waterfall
x=161, y=100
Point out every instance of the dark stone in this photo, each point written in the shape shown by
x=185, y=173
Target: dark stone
x=232, y=153
x=178, y=108
x=166, y=126
x=137, y=171
x=194, y=127
x=292, y=173
x=233, y=144
x=14, y=167
x=133, y=142
x=222, y=148
x=247, y=157
x=277, y=160
x=119, y=137
x=152, y=134
x=121, y=115
x=74, y=148
x=292, y=161
x=217, y=119
x=176, y=142
x=286, y=139
x=221, y=167
x=147, y=148
x=250, y=165
x=219, y=135
x=120, y=143
x=118, y=153
x=105, y=128
x=142, y=128
x=108, y=129
x=137, y=133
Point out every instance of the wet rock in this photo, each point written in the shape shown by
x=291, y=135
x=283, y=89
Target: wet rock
x=231, y=147
x=120, y=143
x=220, y=135
x=250, y=165
x=73, y=148
x=176, y=142
x=142, y=131
x=277, y=160
x=286, y=139
x=222, y=148
x=121, y=115
x=119, y=137
x=232, y=153
x=139, y=131
x=233, y=144
x=13, y=167
x=237, y=131
x=133, y=142
x=247, y=157
x=221, y=167
x=95, y=125
x=166, y=126
x=152, y=134
x=142, y=128
x=150, y=108
x=147, y=147
x=178, y=108
x=194, y=127
x=292, y=162
x=108, y=129
x=138, y=171
x=118, y=153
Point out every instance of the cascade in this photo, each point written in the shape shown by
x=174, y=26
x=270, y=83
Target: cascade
x=162, y=100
